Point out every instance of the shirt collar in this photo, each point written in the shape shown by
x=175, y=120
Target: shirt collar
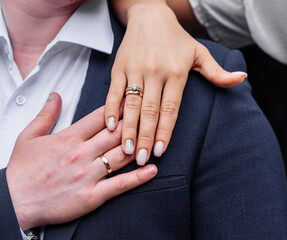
x=89, y=26
x=3, y=29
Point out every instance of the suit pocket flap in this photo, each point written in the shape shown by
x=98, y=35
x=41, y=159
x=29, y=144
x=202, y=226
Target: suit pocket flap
x=161, y=183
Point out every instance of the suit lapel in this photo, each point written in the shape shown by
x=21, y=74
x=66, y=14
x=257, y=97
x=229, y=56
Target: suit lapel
x=96, y=86
x=93, y=96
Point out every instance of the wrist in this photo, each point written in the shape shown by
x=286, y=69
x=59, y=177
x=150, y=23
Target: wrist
x=27, y=219
x=149, y=9
x=27, y=215
x=125, y=8
x=137, y=6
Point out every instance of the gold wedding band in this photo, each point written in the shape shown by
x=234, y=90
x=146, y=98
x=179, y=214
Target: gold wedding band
x=134, y=93
x=134, y=90
x=107, y=165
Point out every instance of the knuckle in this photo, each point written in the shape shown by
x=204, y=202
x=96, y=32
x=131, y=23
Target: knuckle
x=116, y=70
x=154, y=65
x=218, y=69
x=133, y=67
x=46, y=117
x=163, y=131
x=79, y=174
x=120, y=155
x=88, y=198
x=75, y=157
x=133, y=102
x=117, y=133
x=65, y=138
x=98, y=200
x=169, y=108
x=121, y=185
x=130, y=130
x=153, y=68
x=150, y=111
x=177, y=72
x=99, y=115
x=201, y=53
x=138, y=178
x=213, y=77
x=114, y=92
x=146, y=138
x=202, y=49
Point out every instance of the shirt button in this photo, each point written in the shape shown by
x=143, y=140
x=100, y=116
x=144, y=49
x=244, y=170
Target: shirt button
x=20, y=100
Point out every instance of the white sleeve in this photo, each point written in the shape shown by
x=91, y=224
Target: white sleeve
x=268, y=26
x=238, y=23
x=224, y=21
x=24, y=237
x=28, y=235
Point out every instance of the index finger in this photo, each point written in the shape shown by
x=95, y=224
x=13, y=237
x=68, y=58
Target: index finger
x=90, y=125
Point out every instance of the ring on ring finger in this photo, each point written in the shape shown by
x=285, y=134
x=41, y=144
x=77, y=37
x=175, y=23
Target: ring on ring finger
x=134, y=90
x=106, y=163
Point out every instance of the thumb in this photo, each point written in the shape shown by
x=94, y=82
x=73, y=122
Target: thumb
x=210, y=69
x=46, y=119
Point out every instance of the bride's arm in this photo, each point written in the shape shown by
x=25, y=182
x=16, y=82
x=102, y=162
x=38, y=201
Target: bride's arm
x=156, y=54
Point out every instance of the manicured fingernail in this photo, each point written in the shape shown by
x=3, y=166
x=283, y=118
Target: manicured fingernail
x=129, y=147
x=142, y=155
x=158, y=148
x=152, y=170
x=239, y=73
x=51, y=98
x=111, y=123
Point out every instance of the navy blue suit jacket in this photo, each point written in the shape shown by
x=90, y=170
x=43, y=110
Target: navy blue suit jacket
x=222, y=176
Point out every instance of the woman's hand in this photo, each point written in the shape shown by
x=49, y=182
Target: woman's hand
x=156, y=54
x=57, y=178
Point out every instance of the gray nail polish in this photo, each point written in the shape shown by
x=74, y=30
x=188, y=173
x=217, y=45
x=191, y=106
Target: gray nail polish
x=158, y=149
x=129, y=147
x=142, y=157
x=239, y=73
x=111, y=123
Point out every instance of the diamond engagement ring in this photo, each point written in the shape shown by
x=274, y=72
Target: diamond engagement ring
x=134, y=90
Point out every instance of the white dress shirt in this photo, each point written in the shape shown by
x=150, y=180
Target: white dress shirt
x=61, y=68
x=238, y=23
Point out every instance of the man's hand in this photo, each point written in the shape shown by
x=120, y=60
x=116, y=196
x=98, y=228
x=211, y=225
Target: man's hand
x=156, y=54
x=57, y=178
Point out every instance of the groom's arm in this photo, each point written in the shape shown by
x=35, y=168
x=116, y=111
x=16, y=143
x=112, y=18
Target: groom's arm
x=239, y=187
